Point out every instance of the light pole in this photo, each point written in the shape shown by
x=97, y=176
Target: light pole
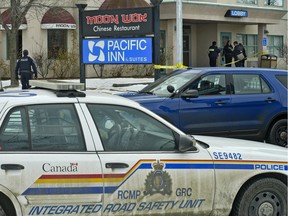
x=179, y=33
x=81, y=8
x=156, y=41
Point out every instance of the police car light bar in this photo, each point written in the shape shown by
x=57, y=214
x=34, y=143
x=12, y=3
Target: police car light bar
x=57, y=85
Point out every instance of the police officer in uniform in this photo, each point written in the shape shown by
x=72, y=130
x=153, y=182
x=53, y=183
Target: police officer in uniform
x=213, y=54
x=24, y=64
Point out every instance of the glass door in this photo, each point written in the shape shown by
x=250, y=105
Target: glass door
x=186, y=45
x=224, y=37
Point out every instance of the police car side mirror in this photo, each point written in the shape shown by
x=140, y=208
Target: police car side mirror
x=186, y=143
x=192, y=93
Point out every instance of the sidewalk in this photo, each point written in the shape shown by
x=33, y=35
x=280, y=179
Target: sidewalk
x=107, y=84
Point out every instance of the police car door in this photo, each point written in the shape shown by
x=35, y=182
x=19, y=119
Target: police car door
x=142, y=170
x=46, y=168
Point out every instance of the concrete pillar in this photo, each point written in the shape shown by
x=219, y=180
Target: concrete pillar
x=261, y=35
x=171, y=41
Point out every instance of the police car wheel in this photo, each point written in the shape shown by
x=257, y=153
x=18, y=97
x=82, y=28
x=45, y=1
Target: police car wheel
x=265, y=197
x=2, y=213
x=278, y=133
x=6, y=206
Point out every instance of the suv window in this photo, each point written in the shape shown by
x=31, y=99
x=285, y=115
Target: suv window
x=127, y=129
x=42, y=128
x=249, y=84
x=283, y=79
x=213, y=84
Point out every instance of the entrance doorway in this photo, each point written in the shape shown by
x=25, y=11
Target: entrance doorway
x=186, y=45
x=224, y=37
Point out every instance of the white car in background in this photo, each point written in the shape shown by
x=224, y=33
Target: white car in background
x=70, y=152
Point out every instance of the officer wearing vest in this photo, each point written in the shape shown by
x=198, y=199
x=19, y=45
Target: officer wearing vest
x=213, y=54
x=24, y=65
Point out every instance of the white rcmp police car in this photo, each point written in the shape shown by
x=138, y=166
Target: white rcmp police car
x=81, y=153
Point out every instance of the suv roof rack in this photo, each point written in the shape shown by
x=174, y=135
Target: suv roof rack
x=62, y=88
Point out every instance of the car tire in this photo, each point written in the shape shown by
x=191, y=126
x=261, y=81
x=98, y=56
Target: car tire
x=6, y=206
x=266, y=196
x=278, y=133
x=2, y=213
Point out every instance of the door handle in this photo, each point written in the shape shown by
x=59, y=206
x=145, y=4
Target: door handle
x=220, y=102
x=12, y=166
x=116, y=165
x=270, y=99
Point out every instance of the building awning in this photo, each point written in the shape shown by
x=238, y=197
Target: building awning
x=120, y=4
x=58, y=18
x=6, y=18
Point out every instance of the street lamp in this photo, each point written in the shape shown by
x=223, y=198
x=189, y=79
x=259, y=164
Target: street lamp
x=156, y=13
x=179, y=33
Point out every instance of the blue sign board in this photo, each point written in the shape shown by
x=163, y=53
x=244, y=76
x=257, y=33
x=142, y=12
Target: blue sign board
x=236, y=13
x=117, y=51
x=264, y=41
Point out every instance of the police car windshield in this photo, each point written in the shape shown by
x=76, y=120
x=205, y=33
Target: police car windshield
x=160, y=86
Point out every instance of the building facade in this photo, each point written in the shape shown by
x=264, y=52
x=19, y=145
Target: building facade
x=260, y=25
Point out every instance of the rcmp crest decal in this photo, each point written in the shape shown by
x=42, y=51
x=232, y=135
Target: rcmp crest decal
x=158, y=181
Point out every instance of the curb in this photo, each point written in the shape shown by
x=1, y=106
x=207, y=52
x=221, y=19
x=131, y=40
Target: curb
x=129, y=84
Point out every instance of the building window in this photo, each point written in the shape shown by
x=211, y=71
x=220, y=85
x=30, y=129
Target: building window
x=274, y=3
x=248, y=1
x=57, y=42
x=275, y=45
x=250, y=44
x=163, y=50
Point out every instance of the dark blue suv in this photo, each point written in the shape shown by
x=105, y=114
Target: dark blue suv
x=247, y=103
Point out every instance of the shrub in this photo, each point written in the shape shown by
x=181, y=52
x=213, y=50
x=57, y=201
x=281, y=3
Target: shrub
x=4, y=69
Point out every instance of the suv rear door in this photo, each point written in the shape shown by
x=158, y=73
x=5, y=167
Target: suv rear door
x=254, y=103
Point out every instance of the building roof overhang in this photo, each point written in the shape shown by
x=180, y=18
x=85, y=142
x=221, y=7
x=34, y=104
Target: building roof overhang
x=120, y=4
x=58, y=18
x=6, y=20
x=215, y=12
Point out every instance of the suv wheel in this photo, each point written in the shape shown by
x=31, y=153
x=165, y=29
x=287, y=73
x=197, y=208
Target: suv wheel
x=278, y=133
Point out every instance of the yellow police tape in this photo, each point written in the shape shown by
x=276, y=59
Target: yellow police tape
x=181, y=66
x=256, y=54
x=177, y=66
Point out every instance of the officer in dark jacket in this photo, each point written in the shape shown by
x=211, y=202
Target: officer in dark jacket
x=239, y=54
x=228, y=53
x=24, y=64
x=213, y=54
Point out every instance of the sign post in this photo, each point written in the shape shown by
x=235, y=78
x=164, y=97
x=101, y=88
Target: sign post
x=81, y=8
x=119, y=36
